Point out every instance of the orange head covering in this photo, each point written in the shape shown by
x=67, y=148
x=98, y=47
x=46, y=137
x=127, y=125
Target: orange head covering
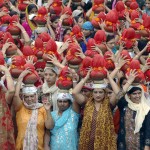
x=56, y=7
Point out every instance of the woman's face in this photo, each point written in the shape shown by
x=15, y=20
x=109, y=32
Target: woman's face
x=33, y=11
x=40, y=72
x=135, y=97
x=54, y=23
x=50, y=77
x=80, y=21
x=98, y=94
x=110, y=93
x=86, y=32
x=30, y=98
x=80, y=8
x=63, y=105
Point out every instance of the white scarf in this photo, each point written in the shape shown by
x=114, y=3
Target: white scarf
x=141, y=109
x=31, y=137
x=52, y=91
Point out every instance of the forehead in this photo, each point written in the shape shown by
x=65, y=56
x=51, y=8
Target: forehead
x=98, y=90
x=29, y=95
x=137, y=92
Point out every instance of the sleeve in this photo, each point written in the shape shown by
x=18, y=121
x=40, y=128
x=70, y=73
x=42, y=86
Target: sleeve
x=122, y=103
x=147, y=130
x=58, y=31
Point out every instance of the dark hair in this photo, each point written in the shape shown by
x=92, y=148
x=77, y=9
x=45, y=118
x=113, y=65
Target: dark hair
x=30, y=7
x=54, y=18
x=65, y=31
x=109, y=86
x=133, y=89
x=121, y=81
x=13, y=13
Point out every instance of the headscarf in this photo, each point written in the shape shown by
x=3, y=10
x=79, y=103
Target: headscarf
x=32, y=26
x=87, y=26
x=141, y=109
x=64, y=96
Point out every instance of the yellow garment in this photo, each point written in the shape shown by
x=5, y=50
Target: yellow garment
x=22, y=117
x=91, y=16
x=32, y=26
x=104, y=137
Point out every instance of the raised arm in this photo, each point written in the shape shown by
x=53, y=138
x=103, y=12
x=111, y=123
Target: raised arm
x=10, y=84
x=49, y=123
x=131, y=77
x=79, y=98
x=16, y=100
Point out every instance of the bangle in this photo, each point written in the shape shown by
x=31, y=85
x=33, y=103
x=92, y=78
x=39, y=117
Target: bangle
x=74, y=81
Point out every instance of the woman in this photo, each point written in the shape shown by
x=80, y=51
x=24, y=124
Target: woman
x=29, y=25
x=7, y=140
x=31, y=117
x=64, y=134
x=97, y=131
x=49, y=87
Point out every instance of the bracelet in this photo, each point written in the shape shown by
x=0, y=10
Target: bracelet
x=74, y=81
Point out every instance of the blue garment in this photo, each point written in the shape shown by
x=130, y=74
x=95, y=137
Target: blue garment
x=83, y=45
x=64, y=135
x=147, y=11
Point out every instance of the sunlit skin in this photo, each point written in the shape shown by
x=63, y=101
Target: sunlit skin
x=30, y=98
x=98, y=95
x=135, y=97
x=40, y=72
x=50, y=77
x=63, y=105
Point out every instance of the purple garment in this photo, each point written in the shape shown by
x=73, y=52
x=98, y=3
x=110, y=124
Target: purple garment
x=3, y=28
x=27, y=28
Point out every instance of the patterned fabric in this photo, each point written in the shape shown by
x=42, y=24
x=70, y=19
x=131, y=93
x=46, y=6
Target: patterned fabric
x=31, y=139
x=132, y=140
x=104, y=137
x=125, y=129
x=59, y=32
x=7, y=141
x=64, y=134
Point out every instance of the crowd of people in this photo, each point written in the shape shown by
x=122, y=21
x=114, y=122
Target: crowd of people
x=74, y=75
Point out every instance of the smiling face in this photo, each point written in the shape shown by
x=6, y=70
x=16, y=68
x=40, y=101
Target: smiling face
x=135, y=97
x=30, y=98
x=98, y=94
